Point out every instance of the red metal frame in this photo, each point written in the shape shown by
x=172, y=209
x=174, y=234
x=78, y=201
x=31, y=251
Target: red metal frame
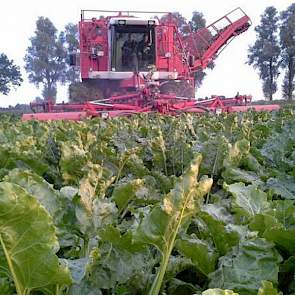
x=164, y=104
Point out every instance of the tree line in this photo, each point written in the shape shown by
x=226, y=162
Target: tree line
x=46, y=58
x=274, y=51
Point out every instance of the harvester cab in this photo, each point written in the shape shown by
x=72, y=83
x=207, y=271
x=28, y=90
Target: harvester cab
x=119, y=50
x=132, y=44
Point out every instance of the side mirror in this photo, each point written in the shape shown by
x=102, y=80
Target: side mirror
x=191, y=60
x=73, y=59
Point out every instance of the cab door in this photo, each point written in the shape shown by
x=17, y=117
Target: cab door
x=164, y=48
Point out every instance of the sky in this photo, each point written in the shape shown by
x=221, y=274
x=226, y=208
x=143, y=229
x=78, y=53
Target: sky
x=230, y=75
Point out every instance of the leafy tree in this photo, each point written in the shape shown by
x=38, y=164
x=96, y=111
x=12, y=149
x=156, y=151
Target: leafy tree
x=10, y=75
x=46, y=58
x=287, y=38
x=71, y=38
x=198, y=21
x=178, y=19
x=264, y=54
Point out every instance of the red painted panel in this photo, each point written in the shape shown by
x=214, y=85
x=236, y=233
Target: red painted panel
x=76, y=116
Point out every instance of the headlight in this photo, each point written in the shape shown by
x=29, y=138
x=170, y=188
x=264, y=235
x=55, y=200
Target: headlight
x=98, y=31
x=121, y=22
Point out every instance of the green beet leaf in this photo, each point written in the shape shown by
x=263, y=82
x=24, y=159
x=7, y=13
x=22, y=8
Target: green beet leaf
x=240, y=165
x=237, y=153
x=247, y=200
x=278, y=225
x=94, y=184
x=268, y=289
x=59, y=206
x=177, y=287
x=77, y=268
x=158, y=149
x=232, y=175
x=249, y=263
x=161, y=225
x=223, y=238
x=73, y=159
x=118, y=261
x=28, y=240
x=219, y=292
x=124, y=193
x=200, y=252
x=283, y=238
x=283, y=187
x=37, y=187
x=176, y=265
x=5, y=287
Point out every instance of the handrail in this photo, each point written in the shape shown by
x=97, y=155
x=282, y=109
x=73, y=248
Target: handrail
x=121, y=11
x=220, y=37
x=226, y=15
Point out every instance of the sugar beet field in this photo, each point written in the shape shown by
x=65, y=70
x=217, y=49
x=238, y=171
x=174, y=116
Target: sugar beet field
x=149, y=205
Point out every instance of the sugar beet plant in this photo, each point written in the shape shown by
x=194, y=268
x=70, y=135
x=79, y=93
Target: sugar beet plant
x=148, y=205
